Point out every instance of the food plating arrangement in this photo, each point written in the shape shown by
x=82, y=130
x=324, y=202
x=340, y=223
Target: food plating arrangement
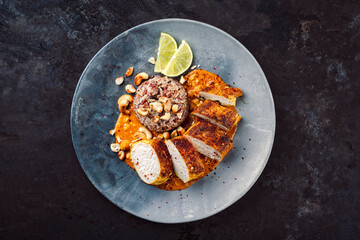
x=175, y=128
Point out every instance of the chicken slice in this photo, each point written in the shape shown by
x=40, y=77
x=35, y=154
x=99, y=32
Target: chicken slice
x=223, y=117
x=210, y=86
x=152, y=161
x=187, y=162
x=209, y=140
x=226, y=96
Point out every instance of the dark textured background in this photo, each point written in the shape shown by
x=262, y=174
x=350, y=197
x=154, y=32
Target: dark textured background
x=310, y=53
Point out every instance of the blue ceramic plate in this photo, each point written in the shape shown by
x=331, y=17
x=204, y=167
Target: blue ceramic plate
x=94, y=112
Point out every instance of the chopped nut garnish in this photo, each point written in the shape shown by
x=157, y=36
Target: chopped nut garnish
x=167, y=103
x=156, y=119
x=174, y=134
x=119, y=80
x=166, y=116
x=175, y=108
x=139, y=77
x=115, y=147
x=182, y=80
x=130, y=88
x=123, y=103
x=121, y=155
x=146, y=131
x=180, y=130
x=140, y=135
x=193, y=67
x=166, y=135
x=156, y=106
x=129, y=72
x=143, y=111
x=112, y=132
x=152, y=60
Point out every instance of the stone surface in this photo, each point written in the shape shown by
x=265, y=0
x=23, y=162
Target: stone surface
x=310, y=53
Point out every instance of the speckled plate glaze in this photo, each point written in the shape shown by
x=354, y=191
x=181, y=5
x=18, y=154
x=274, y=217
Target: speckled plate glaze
x=94, y=112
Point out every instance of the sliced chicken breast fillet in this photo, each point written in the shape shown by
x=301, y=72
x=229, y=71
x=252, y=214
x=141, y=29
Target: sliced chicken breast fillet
x=226, y=96
x=187, y=162
x=223, y=117
x=209, y=140
x=210, y=86
x=152, y=161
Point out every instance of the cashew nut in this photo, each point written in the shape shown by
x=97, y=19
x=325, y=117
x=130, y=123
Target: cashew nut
x=130, y=88
x=182, y=80
x=166, y=135
x=148, y=134
x=143, y=111
x=121, y=155
x=125, y=145
x=139, y=77
x=175, y=108
x=129, y=72
x=115, y=147
x=174, y=134
x=152, y=60
x=180, y=130
x=119, y=80
x=156, y=106
x=167, y=103
x=123, y=103
x=166, y=116
x=139, y=136
x=156, y=119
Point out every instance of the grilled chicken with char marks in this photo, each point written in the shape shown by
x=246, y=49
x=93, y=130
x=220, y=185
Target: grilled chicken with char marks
x=209, y=140
x=186, y=160
x=223, y=117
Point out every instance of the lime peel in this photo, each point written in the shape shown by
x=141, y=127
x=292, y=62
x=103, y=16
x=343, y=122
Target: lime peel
x=180, y=61
x=167, y=48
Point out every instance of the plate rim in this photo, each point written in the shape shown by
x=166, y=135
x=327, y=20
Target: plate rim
x=273, y=130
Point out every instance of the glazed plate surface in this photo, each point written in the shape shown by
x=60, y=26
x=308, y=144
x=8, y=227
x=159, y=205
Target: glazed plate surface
x=94, y=112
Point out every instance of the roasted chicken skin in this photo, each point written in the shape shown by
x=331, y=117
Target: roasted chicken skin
x=210, y=86
x=187, y=162
x=209, y=140
x=223, y=117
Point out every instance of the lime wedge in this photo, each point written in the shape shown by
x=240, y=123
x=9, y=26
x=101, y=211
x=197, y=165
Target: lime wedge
x=167, y=48
x=180, y=61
